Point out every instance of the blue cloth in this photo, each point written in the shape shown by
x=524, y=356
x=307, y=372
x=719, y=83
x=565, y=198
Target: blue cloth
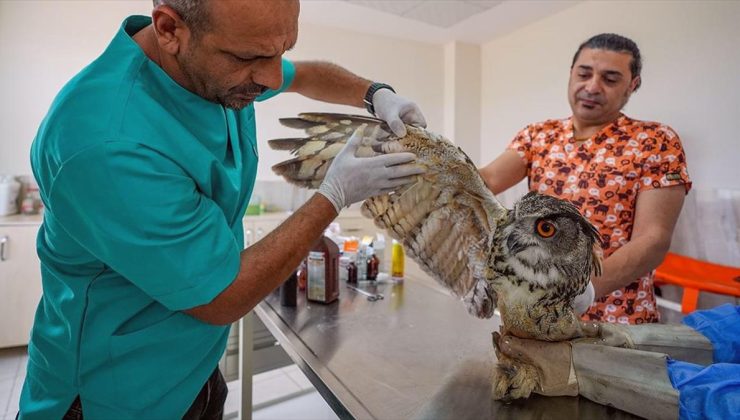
x=721, y=325
x=711, y=392
x=145, y=185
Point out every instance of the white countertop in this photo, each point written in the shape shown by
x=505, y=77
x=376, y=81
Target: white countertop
x=21, y=220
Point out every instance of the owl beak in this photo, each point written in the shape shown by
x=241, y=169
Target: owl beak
x=515, y=246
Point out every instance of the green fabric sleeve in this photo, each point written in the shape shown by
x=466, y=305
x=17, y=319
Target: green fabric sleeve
x=141, y=215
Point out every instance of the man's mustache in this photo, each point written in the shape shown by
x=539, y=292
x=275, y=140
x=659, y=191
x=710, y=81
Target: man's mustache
x=251, y=90
x=592, y=98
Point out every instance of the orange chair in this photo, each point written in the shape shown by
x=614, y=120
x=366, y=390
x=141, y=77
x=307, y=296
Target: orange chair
x=695, y=276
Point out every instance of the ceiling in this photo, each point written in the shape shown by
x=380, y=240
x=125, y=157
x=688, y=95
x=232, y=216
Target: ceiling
x=432, y=21
x=438, y=13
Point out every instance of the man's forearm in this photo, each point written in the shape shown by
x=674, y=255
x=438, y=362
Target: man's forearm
x=630, y=262
x=329, y=82
x=266, y=264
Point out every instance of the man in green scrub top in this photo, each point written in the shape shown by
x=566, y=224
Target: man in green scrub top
x=146, y=162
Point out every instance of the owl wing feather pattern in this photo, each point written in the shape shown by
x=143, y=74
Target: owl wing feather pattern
x=452, y=225
x=446, y=220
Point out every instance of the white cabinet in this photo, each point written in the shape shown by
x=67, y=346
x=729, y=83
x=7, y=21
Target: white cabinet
x=20, y=278
x=257, y=227
x=353, y=223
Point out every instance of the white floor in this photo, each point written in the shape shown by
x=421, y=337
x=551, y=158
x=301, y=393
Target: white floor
x=280, y=394
x=12, y=374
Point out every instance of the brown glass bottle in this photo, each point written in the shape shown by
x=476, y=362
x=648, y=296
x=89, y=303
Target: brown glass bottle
x=322, y=264
x=351, y=272
x=288, y=290
x=372, y=265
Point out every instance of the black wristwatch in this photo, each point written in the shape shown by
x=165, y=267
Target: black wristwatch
x=374, y=87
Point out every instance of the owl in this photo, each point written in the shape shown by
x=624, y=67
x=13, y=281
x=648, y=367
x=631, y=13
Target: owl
x=530, y=262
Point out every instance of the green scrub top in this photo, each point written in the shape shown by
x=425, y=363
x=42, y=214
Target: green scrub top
x=145, y=185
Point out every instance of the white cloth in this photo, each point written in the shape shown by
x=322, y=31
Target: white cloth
x=585, y=299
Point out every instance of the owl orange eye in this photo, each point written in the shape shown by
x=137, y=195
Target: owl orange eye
x=545, y=229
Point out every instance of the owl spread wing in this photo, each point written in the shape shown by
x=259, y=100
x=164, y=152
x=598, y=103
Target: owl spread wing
x=446, y=220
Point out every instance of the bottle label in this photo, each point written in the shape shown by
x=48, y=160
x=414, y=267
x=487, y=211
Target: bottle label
x=316, y=287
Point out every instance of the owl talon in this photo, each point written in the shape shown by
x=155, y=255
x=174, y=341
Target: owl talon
x=512, y=380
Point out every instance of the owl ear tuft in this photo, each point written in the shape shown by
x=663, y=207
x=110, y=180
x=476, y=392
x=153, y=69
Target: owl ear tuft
x=597, y=256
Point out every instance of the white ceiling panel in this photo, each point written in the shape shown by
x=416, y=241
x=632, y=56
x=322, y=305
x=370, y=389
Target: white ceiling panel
x=443, y=13
x=432, y=21
x=396, y=7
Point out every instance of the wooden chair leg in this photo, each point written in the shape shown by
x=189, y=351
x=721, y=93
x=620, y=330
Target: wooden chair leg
x=689, y=300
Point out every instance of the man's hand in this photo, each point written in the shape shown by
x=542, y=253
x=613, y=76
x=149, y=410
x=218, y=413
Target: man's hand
x=553, y=361
x=351, y=179
x=396, y=110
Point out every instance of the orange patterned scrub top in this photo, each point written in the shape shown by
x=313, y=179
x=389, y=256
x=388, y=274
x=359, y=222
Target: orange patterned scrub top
x=602, y=177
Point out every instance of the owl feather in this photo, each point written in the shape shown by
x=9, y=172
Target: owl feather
x=452, y=225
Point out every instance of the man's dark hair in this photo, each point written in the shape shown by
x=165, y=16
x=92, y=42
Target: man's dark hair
x=617, y=43
x=193, y=12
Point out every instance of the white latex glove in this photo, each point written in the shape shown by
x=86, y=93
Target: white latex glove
x=584, y=300
x=351, y=179
x=396, y=110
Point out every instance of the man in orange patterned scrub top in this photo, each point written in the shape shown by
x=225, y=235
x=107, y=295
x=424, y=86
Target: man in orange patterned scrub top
x=627, y=176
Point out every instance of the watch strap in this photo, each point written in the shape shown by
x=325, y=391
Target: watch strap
x=374, y=87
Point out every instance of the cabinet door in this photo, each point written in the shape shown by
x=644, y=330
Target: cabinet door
x=253, y=232
x=249, y=233
x=256, y=228
x=20, y=283
x=263, y=227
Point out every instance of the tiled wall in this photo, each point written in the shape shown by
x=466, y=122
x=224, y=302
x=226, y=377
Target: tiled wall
x=709, y=227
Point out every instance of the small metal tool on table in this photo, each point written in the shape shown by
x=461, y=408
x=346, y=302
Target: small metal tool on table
x=372, y=297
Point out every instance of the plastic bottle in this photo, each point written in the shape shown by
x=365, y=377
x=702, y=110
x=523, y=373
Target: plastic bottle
x=372, y=264
x=397, y=261
x=9, y=189
x=31, y=203
x=362, y=263
x=343, y=265
x=379, y=247
x=323, y=271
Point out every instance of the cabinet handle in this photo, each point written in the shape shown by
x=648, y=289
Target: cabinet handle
x=3, y=244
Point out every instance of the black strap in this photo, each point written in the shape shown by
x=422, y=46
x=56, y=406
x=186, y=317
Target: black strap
x=374, y=87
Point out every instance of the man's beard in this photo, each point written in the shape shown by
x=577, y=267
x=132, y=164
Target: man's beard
x=239, y=97
x=235, y=98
